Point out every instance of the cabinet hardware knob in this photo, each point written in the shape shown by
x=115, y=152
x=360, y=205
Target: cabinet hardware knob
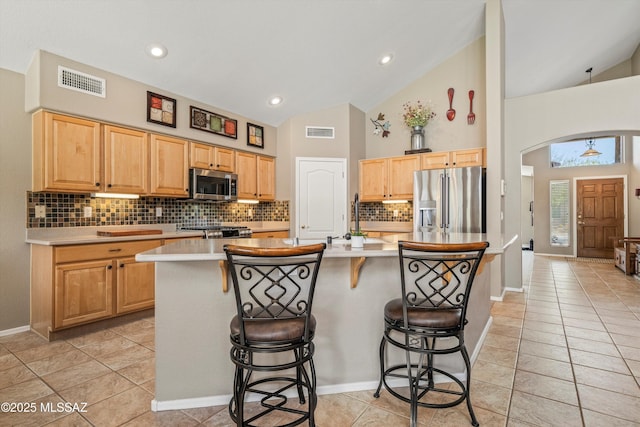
x=97, y=184
x=109, y=185
x=211, y=164
x=109, y=267
x=115, y=250
x=121, y=265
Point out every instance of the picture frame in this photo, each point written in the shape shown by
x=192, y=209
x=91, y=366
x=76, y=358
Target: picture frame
x=255, y=135
x=212, y=122
x=161, y=109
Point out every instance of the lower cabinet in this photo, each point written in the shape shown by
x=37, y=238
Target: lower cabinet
x=78, y=284
x=270, y=234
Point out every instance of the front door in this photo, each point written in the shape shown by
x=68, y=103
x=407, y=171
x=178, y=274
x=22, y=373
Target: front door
x=600, y=215
x=321, y=202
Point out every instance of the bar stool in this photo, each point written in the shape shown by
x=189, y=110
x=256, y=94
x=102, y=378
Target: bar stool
x=273, y=331
x=436, y=282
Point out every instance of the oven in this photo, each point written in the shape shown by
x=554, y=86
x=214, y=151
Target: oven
x=222, y=231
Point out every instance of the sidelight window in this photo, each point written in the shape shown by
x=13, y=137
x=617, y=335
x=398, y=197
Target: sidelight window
x=559, y=202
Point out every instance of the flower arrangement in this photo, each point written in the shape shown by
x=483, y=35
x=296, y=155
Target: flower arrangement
x=417, y=115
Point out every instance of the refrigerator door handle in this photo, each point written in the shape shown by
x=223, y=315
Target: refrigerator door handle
x=446, y=207
x=443, y=201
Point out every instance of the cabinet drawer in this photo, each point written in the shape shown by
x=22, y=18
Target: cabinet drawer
x=75, y=253
x=270, y=234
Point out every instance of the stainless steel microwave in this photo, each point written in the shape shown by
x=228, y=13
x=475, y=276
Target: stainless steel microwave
x=213, y=185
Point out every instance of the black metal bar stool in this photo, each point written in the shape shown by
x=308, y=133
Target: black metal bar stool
x=273, y=332
x=436, y=282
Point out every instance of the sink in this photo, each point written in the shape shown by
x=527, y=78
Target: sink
x=368, y=240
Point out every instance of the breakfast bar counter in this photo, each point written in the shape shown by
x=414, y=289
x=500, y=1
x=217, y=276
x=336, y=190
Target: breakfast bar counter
x=194, y=306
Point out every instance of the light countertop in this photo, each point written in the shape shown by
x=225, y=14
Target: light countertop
x=203, y=250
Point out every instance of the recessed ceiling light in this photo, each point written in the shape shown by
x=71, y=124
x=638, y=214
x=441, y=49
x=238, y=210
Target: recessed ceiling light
x=276, y=100
x=156, y=50
x=385, y=59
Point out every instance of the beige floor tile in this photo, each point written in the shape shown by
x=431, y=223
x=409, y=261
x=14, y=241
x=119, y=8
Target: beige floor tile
x=15, y=375
x=150, y=386
x=543, y=317
x=490, y=397
x=572, y=331
x=536, y=325
x=610, y=403
x=626, y=340
x=509, y=331
x=43, y=351
x=8, y=360
x=73, y=420
x=74, y=375
x=120, y=408
x=631, y=353
x=492, y=373
x=140, y=372
x=544, y=366
x=595, y=419
x=632, y=329
x=570, y=314
x=592, y=346
x=22, y=341
x=547, y=387
x=544, y=337
x=126, y=357
x=507, y=321
x=543, y=412
x=92, y=338
x=634, y=365
x=25, y=391
x=45, y=411
x=97, y=389
x=594, y=325
x=599, y=361
x=501, y=341
x=498, y=356
x=607, y=380
x=376, y=417
x=59, y=361
x=574, y=308
x=102, y=349
x=544, y=350
x=162, y=418
x=202, y=414
x=337, y=409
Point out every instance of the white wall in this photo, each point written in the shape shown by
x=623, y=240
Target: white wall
x=15, y=180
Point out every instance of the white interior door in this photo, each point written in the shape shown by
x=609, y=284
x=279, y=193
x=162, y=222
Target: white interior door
x=321, y=202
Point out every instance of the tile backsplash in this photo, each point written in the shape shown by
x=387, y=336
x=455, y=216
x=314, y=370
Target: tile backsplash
x=67, y=210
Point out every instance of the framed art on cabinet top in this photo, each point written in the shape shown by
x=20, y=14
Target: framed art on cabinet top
x=213, y=122
x=255, y=135
x=161, y=109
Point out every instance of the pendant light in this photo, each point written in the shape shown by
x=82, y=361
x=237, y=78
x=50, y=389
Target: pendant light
x=590, y=143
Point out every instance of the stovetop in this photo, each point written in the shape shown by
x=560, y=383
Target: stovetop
x=215, y=227
x=221, y=231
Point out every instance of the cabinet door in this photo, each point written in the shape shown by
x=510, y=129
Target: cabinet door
x=246, y=167
x=439, y=160
x=270, y=234
x=126, y=160
x=169, y=166
x=201, y=156
x=373, y=180
x=135, y=285
x=401, y=177
x=266, y=183
x=83, y=292
x=465, y=158
x=225, y=159
x=66, y=153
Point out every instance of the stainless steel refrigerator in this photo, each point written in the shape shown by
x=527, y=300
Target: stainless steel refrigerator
x=450, y=200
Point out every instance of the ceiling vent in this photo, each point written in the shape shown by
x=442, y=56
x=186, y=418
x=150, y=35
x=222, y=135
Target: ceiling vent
x=81, y=82
x=320, y=132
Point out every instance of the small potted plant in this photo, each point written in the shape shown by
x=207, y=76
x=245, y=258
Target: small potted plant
x=357, y=238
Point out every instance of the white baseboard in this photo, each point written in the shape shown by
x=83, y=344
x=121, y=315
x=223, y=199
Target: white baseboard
x=13, y=331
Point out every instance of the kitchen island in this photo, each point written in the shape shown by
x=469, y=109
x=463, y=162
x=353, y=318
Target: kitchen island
x=194, y=306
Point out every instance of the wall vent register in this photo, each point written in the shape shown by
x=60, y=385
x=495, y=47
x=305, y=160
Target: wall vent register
x=81, y=82
x=320, y=132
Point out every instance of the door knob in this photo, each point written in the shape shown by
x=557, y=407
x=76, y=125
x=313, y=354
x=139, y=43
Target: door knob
x=303, y=226
x=580, y=222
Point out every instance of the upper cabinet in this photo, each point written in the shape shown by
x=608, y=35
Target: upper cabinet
x=126, y=160
x=256, y=176
x=169, y=166
x=67, y=153
x=388, y=178
x=453, y=159
x=204, y=156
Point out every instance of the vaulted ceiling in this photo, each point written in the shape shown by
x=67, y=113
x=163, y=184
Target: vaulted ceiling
x=236, y=54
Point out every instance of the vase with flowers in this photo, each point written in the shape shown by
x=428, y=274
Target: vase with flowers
x=417, y=116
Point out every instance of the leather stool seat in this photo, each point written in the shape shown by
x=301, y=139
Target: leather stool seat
x=272, y=330
x=422, y=317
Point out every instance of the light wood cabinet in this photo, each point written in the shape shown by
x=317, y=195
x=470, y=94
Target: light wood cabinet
x=205, y=156
x=78, y=284
x=270, y=234
x=256, y=176
x=453, y=159
x=67, y=153
x=169, y=169
x=126, y=160
x=387, y=178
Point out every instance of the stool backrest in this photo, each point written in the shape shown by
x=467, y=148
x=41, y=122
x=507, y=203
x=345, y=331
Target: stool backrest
x=274, y=283
x=436, y=276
